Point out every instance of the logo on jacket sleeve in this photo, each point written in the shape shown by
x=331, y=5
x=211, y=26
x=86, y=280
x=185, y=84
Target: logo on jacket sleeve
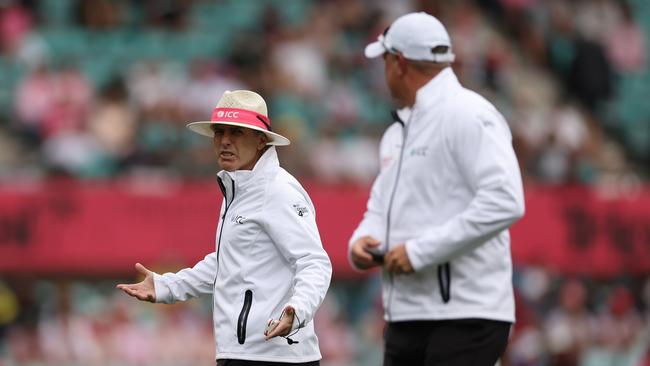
x=301, y=209
x=237, y=219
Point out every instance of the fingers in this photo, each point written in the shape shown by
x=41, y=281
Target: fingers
x=142, y=269
x=367, y=242
x=284, y=326
x=390, y=261
x=137, y=292
x=270, y=326
x=288, y=312
x=397, y=260
x=144, y=290
x=360, y=256
x=281, y=330
x=370, y=241
x=362, y=260
x=359, y=253
x=129, y=290
x=395, y=266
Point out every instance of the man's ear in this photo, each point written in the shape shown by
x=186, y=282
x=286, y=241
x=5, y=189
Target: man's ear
x=402, y=64
x=262, y=143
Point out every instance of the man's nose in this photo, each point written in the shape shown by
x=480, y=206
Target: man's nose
x=223, y=139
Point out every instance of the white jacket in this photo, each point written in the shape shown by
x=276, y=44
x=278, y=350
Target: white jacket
x=449, y=187
x=268, y=255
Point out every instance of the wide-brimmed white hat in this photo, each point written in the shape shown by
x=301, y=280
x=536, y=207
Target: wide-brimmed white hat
x=414, y=35
x=242, y=108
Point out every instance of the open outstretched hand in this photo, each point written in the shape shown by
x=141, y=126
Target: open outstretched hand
x=143, y=290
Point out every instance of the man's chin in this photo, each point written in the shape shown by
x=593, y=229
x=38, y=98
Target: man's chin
x=228, y=165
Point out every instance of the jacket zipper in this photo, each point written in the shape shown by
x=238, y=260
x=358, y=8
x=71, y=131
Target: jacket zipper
x=243, y=316
x=390, y=204
x=444, y=281
x=223, y=222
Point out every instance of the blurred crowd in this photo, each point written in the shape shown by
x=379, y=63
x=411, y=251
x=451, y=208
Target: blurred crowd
x=101, y=89
x=89, y=322
x=571, y=321
x=561, y=321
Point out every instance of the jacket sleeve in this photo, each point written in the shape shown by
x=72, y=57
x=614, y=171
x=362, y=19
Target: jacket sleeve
x=292, y=227
x=187, y=283
x=481, y=146
x=373, y=220
x=371, y=224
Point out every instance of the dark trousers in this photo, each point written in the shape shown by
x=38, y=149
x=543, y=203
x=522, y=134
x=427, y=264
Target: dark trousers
x=461, y=342
x=263, y=363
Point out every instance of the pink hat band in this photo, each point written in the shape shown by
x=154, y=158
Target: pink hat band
x=239, y=115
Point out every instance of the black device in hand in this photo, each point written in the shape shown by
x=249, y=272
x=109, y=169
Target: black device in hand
x=377, y=255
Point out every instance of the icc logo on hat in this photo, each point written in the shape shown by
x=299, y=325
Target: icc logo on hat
x=228, y=114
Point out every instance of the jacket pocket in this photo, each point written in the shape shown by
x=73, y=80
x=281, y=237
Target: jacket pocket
x=444, y=281
x=243, y=316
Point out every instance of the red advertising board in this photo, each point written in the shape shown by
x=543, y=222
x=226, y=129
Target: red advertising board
x=104, y=228
x=580, y=230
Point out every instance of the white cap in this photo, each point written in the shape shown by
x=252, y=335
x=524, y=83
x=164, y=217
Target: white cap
x=414, y=35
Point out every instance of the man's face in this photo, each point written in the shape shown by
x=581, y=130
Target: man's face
x=393, y=74
x=237, y=148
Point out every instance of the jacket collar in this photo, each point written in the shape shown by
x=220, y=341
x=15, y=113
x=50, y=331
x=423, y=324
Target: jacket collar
x=267, y=163
x=437, y=88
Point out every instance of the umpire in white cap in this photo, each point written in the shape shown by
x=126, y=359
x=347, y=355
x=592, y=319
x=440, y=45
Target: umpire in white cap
x=269, y=273
x=438, y=215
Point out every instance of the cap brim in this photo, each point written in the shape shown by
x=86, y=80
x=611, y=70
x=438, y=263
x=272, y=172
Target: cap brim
x=203, y=128
x=374, y=49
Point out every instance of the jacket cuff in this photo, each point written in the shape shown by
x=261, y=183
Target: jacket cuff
x=413, y=255
x=161, y=289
